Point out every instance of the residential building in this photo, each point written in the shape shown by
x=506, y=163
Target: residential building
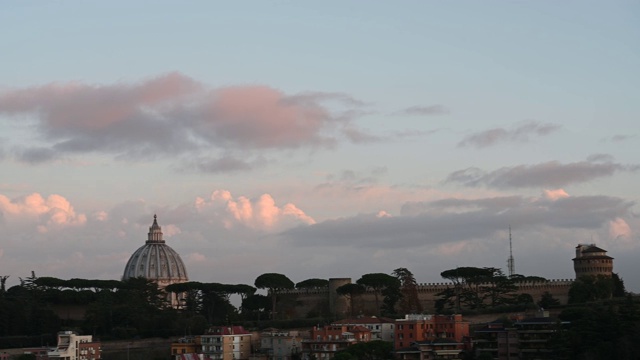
x=523, y=338
x=40, y=353
x=326, y=341
x=226, y=343
x=431, y=349
x=381, y=328
x=72, y=346
x=418, y=328
x=280, y=345
x=497, y=339
x=184, y=346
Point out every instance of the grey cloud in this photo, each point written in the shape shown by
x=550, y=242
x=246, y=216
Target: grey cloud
x=222, y=164
x=359, y=136
x=35, y=155
x=312, y=97
x=621, y=137
x=552, y=174
x=520, y=133
x=174, y=115
x=497, y=204
x=428, y=224
x=424, y=110
x=606, y=158
x=355, y=179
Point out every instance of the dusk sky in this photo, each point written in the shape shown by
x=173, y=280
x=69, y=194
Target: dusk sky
x=319, y=139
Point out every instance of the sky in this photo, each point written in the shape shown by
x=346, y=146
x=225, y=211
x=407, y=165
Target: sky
x=319, y=139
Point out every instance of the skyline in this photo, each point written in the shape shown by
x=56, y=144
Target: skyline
x=314, y=140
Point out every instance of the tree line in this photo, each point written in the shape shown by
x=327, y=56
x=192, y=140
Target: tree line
x=137, y=307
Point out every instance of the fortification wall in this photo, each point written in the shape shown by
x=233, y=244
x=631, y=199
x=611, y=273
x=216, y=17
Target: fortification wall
x=325, y=301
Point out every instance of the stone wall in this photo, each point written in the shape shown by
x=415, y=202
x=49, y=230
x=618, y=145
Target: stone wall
x=309, y=301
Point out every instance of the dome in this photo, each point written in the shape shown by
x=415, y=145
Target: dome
x=156, y=260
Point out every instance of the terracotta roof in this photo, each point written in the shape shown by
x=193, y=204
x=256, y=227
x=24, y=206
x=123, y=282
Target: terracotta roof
x=359, y=329
x=228, y=330
x=364, y=320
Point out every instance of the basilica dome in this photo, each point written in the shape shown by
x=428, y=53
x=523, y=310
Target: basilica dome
x=156, y=261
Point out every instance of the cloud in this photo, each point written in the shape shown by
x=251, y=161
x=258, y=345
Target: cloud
x=261, y=213
x=224, y=164
x=101, y=215
x=555, y=194
x=455, y=220
x=618, y=228
x=621, y=137
x=196, y=257
x=172, y=115
x=552, y=174
x=519, y=133
x=424, y=110
x=54, y=211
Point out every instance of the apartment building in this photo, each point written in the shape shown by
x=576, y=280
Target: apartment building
x=280, y=345
x=72, y=346
x=326, y=341
x=418, y=327
x=381, y=328
x=226, y=343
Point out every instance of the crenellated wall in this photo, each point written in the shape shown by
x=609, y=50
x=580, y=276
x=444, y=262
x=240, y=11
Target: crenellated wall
x=318, y=299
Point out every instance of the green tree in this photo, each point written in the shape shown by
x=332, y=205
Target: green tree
x=377, y=282
x=590, y=288
x=256, y=305
x=274, y=282
x=372, y=350
x=547, y=301
x=312, y=283
x=473, y=287
x=409, y=303
x=392, y=294
x=350, y=291
x=498, y=288
x=618, y=286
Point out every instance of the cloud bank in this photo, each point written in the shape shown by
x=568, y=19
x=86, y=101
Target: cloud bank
x=522, y=132
x=174, y=115
x=552, y=174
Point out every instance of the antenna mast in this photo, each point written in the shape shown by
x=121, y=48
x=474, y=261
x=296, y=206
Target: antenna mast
x=510, y=262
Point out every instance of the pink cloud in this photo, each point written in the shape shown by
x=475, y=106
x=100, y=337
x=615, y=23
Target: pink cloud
x=618, y=228
x=55, y=210
x=196, y=257
x=173, y=115
x=83, y=106
x=261, y=213
x=554, y=194
x=261, y=117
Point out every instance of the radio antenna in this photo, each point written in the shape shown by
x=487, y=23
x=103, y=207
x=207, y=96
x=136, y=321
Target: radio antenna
x=510, y=263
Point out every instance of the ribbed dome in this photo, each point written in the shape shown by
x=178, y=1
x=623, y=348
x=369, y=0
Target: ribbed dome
x=156, y=260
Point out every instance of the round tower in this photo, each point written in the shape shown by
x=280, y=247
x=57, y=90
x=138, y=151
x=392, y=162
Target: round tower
x=591, y=260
